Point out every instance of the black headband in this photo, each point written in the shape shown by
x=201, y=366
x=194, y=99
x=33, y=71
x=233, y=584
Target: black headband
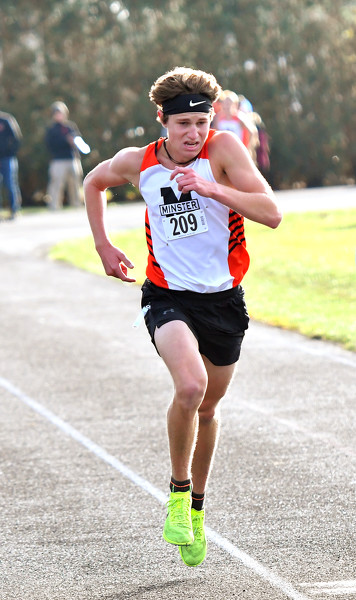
x=186, y=103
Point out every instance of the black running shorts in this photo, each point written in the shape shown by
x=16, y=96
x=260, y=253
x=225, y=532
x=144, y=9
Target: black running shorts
x=217, y=320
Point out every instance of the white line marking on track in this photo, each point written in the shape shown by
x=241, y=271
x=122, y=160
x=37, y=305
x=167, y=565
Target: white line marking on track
x=333, y=588
x=249, y=562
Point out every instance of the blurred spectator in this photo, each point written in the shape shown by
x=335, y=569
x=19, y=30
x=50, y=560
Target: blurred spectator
x=262, y=149
x=229, y=117
x=235, y=113
x=10, y=139
x=65, y=170
x=245, y=105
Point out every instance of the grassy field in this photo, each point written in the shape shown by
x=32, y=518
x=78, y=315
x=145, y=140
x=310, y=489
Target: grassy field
x=302, y=275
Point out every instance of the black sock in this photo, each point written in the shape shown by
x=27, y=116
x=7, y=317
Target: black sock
x=180, y=486
x=197, y=501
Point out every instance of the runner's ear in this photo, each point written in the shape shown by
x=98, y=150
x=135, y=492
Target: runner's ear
x=160, y=117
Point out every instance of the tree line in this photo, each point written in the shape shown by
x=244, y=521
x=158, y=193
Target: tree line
x=295, y=62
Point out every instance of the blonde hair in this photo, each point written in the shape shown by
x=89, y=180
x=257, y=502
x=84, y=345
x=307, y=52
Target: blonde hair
x=229, y=95
x=183, y=80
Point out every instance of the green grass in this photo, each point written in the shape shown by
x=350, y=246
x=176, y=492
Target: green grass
x=302, y=275
x=81, y=252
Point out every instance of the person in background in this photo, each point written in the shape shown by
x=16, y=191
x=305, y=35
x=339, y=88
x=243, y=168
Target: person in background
x=230, y=117
x=263, y=146
x=198, y=185
x=10, y=140
x=235, y=113
x=64, y=142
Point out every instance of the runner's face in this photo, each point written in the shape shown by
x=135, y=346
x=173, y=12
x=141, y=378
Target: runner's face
x=187, y=133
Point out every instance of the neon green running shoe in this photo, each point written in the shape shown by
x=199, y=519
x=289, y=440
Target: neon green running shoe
x=194, y=555
x=178, y=526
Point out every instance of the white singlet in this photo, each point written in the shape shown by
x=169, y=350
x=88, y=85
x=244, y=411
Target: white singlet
x=194, y=243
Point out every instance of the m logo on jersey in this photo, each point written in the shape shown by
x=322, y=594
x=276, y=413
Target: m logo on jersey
x=173, y=206
x=181, y=218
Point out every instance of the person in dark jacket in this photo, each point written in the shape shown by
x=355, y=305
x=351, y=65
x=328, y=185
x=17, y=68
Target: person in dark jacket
x=63, y=141
x=10, y=140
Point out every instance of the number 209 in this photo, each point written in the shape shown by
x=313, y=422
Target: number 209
x=182, y=224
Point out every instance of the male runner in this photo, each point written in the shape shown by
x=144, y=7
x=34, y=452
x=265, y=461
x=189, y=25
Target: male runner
x=198, y=185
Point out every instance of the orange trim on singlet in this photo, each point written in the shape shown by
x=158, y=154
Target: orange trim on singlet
x=150, y=158
x=238, y=258
x=204, y=151
x=153, y=270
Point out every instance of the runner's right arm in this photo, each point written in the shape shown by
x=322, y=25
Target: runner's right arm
x=123, y=168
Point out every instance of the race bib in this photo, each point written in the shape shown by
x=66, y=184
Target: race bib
x=183, y=219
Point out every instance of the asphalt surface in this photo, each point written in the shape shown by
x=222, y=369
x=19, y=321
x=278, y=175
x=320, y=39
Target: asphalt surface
x=84, y=466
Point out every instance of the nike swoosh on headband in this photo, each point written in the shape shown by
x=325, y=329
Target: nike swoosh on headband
x=187, y=103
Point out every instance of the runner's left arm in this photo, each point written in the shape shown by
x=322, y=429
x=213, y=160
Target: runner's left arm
x=239, y=185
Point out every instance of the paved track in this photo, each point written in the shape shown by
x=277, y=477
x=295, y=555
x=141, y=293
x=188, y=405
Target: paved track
x=84, y=462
